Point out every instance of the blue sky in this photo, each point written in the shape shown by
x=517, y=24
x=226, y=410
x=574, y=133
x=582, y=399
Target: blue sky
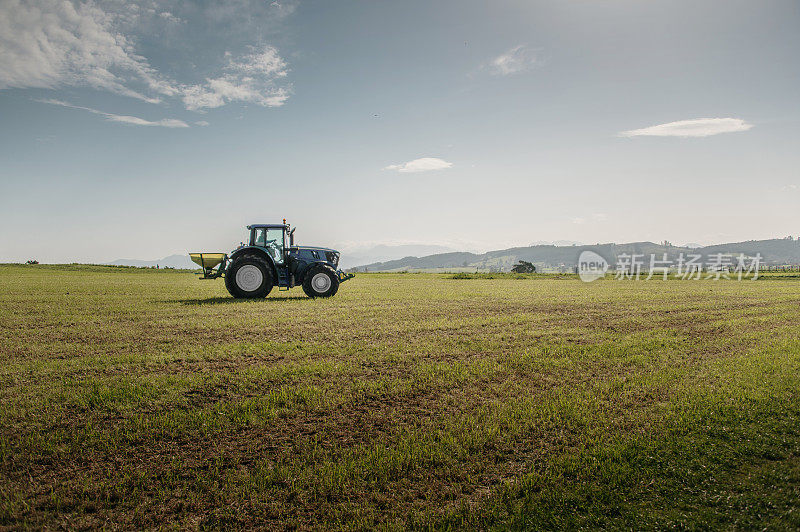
x=142, y=129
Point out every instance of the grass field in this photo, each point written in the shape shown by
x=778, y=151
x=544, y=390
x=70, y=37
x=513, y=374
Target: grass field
x=144, y=398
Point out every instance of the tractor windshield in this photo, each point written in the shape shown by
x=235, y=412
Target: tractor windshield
x=272, y=239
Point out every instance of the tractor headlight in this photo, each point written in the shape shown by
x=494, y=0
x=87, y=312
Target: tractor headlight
x=332, y=257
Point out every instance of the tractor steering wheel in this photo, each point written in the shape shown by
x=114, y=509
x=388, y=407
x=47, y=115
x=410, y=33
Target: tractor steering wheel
x=272, y=246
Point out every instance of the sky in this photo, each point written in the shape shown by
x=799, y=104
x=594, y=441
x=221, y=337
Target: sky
x=141, y=129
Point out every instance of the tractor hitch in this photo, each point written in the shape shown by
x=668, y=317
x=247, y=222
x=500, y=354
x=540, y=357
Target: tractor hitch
x=344, y=276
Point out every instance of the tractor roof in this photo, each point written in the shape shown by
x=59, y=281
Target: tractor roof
x=268, y=226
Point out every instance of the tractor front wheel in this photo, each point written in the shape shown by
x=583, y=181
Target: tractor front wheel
x=320, y=281
x=248, y=276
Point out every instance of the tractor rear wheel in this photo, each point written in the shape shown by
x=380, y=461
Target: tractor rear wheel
x=320, y=281
x=248, y=276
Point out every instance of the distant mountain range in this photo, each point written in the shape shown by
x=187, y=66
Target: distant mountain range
x=383, y=253
x=775, y=251
x=545, y=256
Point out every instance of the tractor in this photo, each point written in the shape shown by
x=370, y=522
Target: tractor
x=271, y=259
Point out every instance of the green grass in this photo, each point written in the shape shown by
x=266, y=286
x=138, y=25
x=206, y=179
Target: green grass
x=145, y=398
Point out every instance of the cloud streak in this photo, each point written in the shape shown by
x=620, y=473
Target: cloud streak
x=53, y=43
x=515, y=60
x=423, y=164
x=46, y=44
x=248, y=79
x=701, y=127
x=124, y=119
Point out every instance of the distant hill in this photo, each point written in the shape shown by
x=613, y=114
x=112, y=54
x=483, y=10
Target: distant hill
x=383, y=253
x=173, y=261
x=775, y=251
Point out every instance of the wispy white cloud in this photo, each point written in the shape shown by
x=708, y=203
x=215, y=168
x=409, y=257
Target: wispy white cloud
x=169, y=17
x=46, y=44
x=56, y=43
x=517, y=59
x=165, y=122
x=201, y=123
x=248, y=79
x=701, y=127
x=424, y=164
x=125, y=119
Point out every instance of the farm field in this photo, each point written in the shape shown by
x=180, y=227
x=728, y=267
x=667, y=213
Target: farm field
x=146, y=398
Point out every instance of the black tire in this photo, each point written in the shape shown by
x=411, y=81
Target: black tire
x=315, y=286
x=248, y=284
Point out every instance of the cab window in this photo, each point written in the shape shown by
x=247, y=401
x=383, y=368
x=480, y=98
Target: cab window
x=275, y=244
x=272, y=239
x=259, y=237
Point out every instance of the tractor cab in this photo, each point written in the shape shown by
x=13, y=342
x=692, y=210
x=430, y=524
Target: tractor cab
x=275, y=239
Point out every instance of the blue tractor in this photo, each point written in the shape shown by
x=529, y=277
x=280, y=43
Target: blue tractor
x=271, y=259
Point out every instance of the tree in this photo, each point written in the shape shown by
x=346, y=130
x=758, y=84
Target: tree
x=524, y=267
